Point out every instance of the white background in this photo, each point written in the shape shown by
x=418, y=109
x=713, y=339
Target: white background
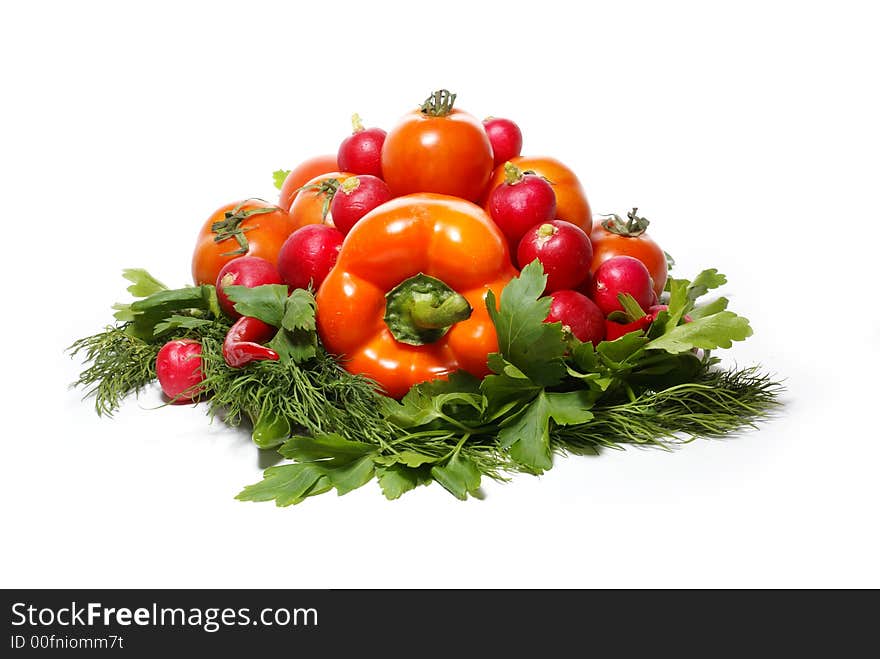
x=747, y=132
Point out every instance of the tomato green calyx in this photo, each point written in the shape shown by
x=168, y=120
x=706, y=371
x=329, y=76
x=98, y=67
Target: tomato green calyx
x=357, y=124
x=327, y=188
x=230, y=226
x=438, y=104
x=632, y=227
x=421, y=310
x=513, y=174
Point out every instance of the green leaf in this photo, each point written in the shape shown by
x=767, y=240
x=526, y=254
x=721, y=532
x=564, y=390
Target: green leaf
x=352, y=476
x=278, y=177
x=266, y=302
x=528, y=437
x=459, y=476
x=630, y=307
x=506, y=390
x=396, y=479
x=570, y=408
x=406, y=457
x=148, y=312
x=678, y=304
x=325, y=447
x=298, y=346
x=299, y=311
x=286, y=484
x=458, y=397
x=716, y=331
x=622, y=349
x=704, y=282
x=710, y=308
x=526, y=341
x=180, y=322
x=584, y=357
x=143, y=283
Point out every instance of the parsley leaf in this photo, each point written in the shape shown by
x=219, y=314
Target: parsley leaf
x=278, y=177
x=460, y=476
x=709, y=332
x=266, y=302
x=396, y=479
x=524, y=339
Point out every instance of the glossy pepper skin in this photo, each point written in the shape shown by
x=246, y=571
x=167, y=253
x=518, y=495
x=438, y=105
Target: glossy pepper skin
x=437, y=235
x=242, y=343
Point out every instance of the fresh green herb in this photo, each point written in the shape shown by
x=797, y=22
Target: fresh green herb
x=547, y=393
x=278, y=177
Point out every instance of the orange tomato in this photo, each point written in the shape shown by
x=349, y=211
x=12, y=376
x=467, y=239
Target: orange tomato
x=571, y=200
x=311, y=205
x=607, y=244
x=302, y=173
x=251, y=227
x=437, y=149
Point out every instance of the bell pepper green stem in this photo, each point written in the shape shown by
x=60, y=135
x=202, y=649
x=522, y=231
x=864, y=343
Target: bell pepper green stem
x=454, y=309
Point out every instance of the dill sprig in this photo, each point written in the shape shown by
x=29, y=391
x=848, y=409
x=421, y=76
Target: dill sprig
x=319, y=396
x=717, y=403
x=118, y=365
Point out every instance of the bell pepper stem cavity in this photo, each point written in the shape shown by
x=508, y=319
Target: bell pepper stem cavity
x=421, y=309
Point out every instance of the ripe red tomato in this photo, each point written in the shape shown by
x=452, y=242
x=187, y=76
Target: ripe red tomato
x=251, y=227
x=438, y=149
x=302, y=174
x=571, y=201
x=626, y=239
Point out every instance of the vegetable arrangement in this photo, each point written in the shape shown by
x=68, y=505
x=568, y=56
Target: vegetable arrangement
x=430, y=305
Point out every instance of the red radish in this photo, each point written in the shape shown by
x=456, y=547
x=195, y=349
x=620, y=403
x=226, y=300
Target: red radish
x=562, y=248
x=308, y=254
x=361, y=152
x=179, y=370
x=579, y=316
x=505, y=137
x=621, y=274
x=247, y=271
x=521, y=202
x=355, y=197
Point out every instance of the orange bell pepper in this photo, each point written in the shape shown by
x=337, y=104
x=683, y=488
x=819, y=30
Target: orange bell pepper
x=405, y=301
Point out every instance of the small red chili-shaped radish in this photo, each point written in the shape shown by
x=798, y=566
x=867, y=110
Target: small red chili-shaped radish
x=579, y=316
x=355, y=197
x=614, y=330
x=505, y=137
x=521, y=202
x=308, y=255
x=247, y=271
x=562, y=248
x=179, y=370
x=361, y=152
x=621, y=274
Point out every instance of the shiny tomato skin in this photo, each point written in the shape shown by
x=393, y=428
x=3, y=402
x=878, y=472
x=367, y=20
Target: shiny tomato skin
x=309, y=203
x=571, y=200
x=607, y=244
x=302, y=174
x=265, y=234
x=448, y=155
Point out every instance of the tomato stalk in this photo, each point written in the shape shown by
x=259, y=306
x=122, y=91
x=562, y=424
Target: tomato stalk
x=634, y=225
x=439, y=104
x=327, y=188
x=230, y=226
